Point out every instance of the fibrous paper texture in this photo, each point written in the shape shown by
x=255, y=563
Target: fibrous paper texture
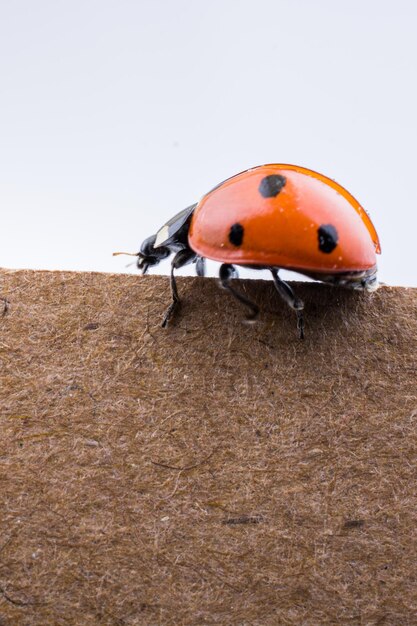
x=211, y=473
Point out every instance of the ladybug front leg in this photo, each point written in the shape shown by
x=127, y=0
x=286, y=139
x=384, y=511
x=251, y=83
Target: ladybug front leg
x=226, y=273
x=291, y=299
x=183, y=257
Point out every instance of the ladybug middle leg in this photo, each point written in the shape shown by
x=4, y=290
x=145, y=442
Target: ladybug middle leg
x=200, y=266
x=183, y=257
x=226, y=273
x=291, y=299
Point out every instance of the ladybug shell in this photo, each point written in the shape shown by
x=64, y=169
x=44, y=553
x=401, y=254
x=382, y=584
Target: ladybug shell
x=284, y=216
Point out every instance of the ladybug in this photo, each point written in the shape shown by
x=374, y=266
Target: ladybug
x=271, y=217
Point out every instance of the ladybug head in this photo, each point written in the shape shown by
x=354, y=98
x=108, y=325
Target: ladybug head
x=149, y=256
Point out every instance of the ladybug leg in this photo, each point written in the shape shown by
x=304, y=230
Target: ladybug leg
x=291, y=299
x=226, y=273
x=183, y=257
x=200, y=266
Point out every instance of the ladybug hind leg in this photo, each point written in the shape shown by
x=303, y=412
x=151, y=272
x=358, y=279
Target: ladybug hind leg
x=183, y=257
x=227, y=273
x=291, y=299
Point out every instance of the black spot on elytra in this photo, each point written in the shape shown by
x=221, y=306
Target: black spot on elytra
x=236, y=233
x=328, y=238
x=270, y=186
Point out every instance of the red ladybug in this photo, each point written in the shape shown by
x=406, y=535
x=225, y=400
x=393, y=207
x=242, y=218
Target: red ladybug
x=271, y=217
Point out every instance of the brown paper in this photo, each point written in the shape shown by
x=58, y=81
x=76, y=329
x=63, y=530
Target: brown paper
x=212, y=473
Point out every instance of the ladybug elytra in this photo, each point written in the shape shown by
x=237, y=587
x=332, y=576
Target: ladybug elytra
x=271, y=217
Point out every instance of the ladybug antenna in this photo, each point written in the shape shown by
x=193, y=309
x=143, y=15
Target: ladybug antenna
x=127, y=253
x=142, y=262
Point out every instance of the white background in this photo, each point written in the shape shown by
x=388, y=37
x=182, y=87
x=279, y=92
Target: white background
x=116, y=115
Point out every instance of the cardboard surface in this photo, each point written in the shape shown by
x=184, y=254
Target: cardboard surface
x=212, y=473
